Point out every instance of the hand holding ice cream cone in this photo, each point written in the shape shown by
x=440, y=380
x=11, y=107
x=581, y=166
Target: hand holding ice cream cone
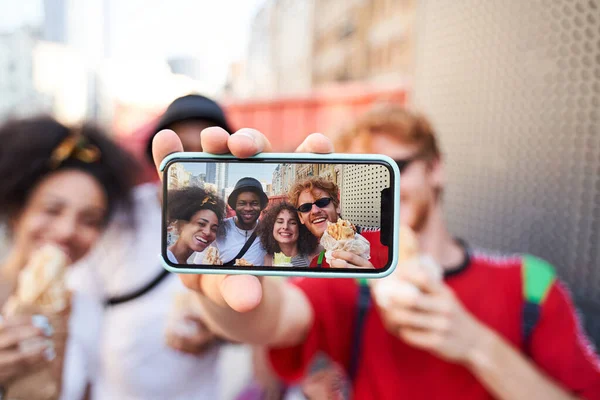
x=342, y=237
x=41, y=291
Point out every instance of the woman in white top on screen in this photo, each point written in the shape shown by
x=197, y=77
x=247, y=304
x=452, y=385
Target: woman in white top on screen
x=197, y=216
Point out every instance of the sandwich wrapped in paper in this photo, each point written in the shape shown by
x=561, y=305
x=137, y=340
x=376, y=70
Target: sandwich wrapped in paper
x=41, y=290
x=240, y=262
x=212, y=257
x=409, y=257
x=281, y=260
x=342, y=236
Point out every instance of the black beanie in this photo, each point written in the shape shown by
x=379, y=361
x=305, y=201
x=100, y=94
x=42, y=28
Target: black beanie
x=190, y=107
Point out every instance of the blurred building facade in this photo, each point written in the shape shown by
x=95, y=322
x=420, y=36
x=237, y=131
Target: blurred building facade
x=296, y=46
x=339, y=37
x=19, y=94
x=391, y=41
x=279, y=52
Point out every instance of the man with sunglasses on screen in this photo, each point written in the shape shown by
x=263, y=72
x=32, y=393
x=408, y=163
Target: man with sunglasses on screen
x=470, y=335
x=317, y=202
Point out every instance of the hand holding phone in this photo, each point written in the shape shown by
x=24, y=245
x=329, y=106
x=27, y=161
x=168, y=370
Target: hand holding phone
x=241, y=293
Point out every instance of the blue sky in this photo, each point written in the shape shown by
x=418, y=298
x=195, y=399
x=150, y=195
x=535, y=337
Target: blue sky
x=215, y=32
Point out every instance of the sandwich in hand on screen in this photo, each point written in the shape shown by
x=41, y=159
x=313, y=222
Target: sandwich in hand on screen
x=212, y=256
x=240, y=262
x=342, y=236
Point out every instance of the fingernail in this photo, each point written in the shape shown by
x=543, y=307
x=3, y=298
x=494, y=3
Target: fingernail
x=50, y=353
x=42, y=322
x=248, y=135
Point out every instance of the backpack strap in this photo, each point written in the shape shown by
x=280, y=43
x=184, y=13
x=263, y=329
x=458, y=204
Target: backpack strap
x=538, y=277
x=244, y=249
x=116, y=300
x=362, y=306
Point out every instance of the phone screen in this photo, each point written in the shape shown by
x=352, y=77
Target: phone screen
x=278, y=214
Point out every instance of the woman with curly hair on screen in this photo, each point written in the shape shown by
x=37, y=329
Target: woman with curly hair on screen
x=197, y=217
x=286, y=240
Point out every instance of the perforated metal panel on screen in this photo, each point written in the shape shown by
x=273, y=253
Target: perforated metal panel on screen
x=361, y=194
x=513, y=88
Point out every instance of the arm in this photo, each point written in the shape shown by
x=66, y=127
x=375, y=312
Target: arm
x=507, y=374
x=433, y=319
x=241, y=307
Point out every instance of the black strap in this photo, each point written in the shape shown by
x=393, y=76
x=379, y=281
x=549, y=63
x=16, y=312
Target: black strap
x=244, y=249
x=531, y=316
x=113, y=301
x=363, y=304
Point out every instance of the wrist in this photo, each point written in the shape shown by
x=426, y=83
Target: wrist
x=481, y=353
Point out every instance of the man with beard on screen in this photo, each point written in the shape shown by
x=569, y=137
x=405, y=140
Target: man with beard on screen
x=240, y=239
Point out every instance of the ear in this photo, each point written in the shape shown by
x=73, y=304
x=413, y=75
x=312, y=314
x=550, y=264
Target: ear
x=437, y=173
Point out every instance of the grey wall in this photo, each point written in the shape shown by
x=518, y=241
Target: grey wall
x=513, y=88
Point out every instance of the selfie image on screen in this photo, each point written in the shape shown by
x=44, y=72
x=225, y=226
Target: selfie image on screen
x=276, y=215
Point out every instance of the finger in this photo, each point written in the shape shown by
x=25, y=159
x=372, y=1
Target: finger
x=247, y=143
x=192, y=281
x=196, y=320
x=13, y=322
x=13, y=337
x=174, y=341
x=316, y=143
x=420, y=278
x=188, y=344
x=339, y=264
x=421, y=339
x=352, y=259
x=405, y=318
x=242, y=293
x=35, y=359
x=426, y=303
x=17, y=363
x=214, y=140
x=164, y=143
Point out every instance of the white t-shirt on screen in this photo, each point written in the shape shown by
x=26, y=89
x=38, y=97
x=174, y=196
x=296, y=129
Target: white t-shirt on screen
x=232, y=242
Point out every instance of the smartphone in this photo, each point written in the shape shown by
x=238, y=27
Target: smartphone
x=281, y=214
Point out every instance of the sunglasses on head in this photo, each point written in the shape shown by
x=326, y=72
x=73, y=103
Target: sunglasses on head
x=322, y=202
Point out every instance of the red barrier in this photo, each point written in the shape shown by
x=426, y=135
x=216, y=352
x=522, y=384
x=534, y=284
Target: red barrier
x=287, y=121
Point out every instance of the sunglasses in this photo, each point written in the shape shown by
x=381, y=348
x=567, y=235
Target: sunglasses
x=403, y=164
x=306, y=207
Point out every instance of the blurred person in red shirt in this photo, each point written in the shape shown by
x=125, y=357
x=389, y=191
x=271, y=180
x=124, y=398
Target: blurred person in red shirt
x=475, y=334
